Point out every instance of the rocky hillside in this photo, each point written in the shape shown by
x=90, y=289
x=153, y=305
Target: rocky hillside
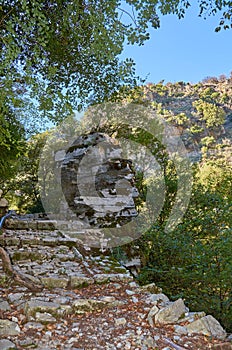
x=202, y=112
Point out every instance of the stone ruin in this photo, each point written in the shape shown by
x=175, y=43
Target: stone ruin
x=97, y=182
x=96, y=192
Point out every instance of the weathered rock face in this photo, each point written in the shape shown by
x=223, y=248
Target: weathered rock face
x=6, y=344
x=207, y=325
x=8, y=328
x=171, y=313
x=98, y=184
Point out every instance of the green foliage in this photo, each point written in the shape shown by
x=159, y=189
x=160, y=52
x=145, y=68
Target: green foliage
x=65, y=54
x=194, y=261
x=212, y=114
x=208, y=140
x=12, y=142
x=179, y=119
x=215, y=172
x=22, y=190
x=159, y=88
x=209, y=95
x=195, y=129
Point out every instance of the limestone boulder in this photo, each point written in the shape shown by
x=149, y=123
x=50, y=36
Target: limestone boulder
x=4, y=202
x=4, y=305
x=6, y=344
x=3, y=206
x=154, y=310
x=8, y=328
x=171, y=313
x=159, y=298
x=207, y=325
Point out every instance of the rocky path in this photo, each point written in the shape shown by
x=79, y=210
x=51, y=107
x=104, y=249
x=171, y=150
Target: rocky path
x=91, y=302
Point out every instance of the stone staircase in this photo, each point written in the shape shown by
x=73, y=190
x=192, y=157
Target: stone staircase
x=56, y=260
x=90, y=302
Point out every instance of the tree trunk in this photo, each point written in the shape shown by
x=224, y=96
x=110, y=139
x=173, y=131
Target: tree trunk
x=17, y=276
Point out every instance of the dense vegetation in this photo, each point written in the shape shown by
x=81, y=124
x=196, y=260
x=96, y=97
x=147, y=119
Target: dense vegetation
x=194, y=261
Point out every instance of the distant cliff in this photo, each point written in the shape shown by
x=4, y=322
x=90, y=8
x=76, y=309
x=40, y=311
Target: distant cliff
x=202, y=112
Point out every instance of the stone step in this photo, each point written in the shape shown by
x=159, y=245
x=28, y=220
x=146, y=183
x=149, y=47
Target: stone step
x=58, y=262
x=25, y=223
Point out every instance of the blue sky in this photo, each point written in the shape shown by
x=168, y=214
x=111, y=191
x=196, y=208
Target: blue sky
x=184, y=50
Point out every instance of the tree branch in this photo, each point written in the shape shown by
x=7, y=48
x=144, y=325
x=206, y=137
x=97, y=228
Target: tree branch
x=133, y=19
x=175, y=346
x=7, y=14
x=18, y=276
